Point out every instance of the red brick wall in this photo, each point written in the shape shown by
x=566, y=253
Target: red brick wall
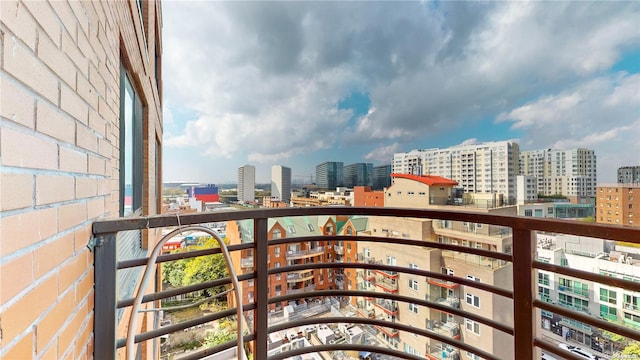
x=59, y=86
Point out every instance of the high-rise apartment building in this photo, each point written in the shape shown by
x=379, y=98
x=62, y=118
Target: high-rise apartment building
x=281, y=183
x=329, y=175
x=359, y=174
x=414, y=191
x=571, y=173
x=618, y=204
x=247, y=183
x=629, y=175
x=381, y=177
x=81, y=138
x=489, y=167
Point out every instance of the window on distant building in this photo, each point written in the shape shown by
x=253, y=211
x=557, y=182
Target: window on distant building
x=131, y=146
x=413, y=284
x=473, y=300
x=413, y=308
x=472, y=326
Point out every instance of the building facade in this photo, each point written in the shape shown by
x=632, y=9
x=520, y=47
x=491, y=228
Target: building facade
x=489, y=167
x=629, y=175
x=424, y=192
x=606, y=302
x=364, y=196
x=526, y=189
x=81, y=140
x=329, y=175
x=288, y=254
x=358, y=174
x=381, y=177
x=281, y=183
x=618, y=204
x=247, y=184
x=571, y=173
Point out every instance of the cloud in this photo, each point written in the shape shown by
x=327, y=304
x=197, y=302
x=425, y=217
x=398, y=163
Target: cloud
x=383, y=154
x=265, y=78
x=601, y=114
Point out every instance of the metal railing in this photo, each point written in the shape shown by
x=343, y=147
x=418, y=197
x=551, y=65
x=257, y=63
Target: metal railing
x=522, y=259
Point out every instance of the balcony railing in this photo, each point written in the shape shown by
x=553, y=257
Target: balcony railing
x=451, y=301
x=386, y=284
x=247, y=262
x=388, y=306
x=521, y=265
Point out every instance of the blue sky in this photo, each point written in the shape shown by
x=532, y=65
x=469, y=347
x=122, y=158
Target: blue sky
x=299, y=83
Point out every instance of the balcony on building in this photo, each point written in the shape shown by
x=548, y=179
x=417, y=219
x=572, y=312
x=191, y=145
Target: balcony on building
x=387, y=284
x=376, y=301
x=448, y=328
x=389, y=307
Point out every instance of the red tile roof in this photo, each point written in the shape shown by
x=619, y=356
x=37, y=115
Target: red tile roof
x=430, y=180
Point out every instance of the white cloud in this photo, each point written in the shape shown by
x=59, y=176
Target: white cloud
x=265, y=78
x=560, y=121
x=383, y=154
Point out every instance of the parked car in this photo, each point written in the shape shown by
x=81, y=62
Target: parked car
x=546, y=356
x=579, y=351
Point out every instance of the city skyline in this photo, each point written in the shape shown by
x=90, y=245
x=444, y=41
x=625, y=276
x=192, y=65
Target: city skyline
x=271, y=83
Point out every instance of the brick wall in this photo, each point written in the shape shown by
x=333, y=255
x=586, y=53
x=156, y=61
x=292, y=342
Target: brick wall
x=59, y=159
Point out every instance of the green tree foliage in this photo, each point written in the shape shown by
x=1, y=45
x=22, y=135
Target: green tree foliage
x=226, y=331
x=196, y=270
x=632, y=349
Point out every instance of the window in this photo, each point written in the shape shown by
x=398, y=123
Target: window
x=276, y=234
x=291, y=229
x=413, y=284
x=632, y=318
x=473, y=300
x=544, y=293
x=413, y=308
x=543, y=279
x=472, y=326
x=310, y=227
x=608, y=312
x=276, y=251
x=473, y=356
x=131, y=146
x=608, y=296
x=473, y=278
x=410, y=350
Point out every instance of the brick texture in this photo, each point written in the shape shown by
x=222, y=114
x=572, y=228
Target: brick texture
x=59, y=151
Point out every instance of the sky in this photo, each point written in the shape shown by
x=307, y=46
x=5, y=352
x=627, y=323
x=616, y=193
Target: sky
x=300, y=83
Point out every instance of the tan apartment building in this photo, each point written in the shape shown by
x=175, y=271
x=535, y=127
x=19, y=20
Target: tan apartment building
x=81, y=140
x=413, y=191
x=618, y=204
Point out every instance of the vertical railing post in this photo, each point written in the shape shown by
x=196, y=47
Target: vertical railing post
x=523, y=290
x=104, y=313
x=261, y=318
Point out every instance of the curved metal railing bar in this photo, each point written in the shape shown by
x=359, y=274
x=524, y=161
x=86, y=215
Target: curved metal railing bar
x=130, y=350
x=521, y=227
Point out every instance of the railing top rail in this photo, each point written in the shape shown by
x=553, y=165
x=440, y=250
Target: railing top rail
x=612, y=232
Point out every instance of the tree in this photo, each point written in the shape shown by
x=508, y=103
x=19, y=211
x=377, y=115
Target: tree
x=631, y=351
x=196, y=270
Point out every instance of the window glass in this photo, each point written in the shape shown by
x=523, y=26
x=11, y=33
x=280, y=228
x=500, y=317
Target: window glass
x=130, y=147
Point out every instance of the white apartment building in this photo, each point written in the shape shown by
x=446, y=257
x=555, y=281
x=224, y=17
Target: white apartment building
x=247, y=183
x=281, y=183
x=489, y=167
x=571, y=173
x=526, y=189
x=606, y=302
